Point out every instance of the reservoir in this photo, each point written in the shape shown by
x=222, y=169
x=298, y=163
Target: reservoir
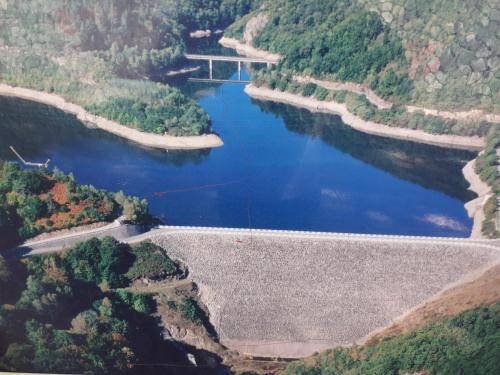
x=280, y=168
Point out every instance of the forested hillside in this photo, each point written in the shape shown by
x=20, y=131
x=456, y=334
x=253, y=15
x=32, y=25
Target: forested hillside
x=467, y=344
x=83, y=49
x=65, y=312
x=40, y=201
x=436, y=53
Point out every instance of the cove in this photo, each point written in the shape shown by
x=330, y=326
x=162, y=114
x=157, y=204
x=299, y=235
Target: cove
x=280, y=168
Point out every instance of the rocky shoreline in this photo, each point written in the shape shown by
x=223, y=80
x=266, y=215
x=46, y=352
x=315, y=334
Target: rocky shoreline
x=475, y=207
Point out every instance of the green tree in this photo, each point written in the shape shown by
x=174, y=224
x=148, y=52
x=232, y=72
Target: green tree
x=143, y=303
x=30, y=208
x=5, y=272
x=28, y=182
x=190, y=310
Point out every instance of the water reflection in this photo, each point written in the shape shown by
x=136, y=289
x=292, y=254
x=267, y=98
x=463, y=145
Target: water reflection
x=418, y=163
x=280, y=168
x=35, y=129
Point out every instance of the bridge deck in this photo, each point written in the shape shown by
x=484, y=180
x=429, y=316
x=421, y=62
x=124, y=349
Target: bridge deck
x=215, y=80
x=228, y=58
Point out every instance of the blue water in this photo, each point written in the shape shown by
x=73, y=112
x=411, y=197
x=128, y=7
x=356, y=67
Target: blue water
x=280, y=167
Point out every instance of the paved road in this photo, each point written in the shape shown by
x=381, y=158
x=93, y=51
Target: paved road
x=291, y=234
x=133, y=234
x=116, y=229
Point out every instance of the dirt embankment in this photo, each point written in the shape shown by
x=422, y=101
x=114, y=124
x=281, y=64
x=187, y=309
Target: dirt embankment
x=248, y=50
x=370, y=127
x=471, y=115
x=475, y=207
x=145, y=139
x=348, y=86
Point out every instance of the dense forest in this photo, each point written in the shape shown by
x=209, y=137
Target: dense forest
x=93, y=53
x=71, y=313
x=335, y=39
x=467, y=344
x=39, y=201
x=434, y=53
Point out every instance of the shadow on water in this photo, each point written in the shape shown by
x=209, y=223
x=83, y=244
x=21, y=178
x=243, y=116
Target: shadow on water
x=418, y=163
x=30, y=127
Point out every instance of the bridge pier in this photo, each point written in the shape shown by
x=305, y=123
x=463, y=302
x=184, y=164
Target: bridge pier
x=237, y=59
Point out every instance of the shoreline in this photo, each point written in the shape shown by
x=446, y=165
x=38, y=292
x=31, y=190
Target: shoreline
x=369, y=127
x=355, y=88
x=247, y=50
x=134, y=135
x=471, y=115
x=474, y=207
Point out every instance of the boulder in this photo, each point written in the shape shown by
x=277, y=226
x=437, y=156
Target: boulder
x=386, y=7
x=494, y=62
x=387, y=17
x=450, y=27
x=470, y=37
x=483, y=52
x=474, y=78
x=398, y=11
x=434, y=64
x=478, y=65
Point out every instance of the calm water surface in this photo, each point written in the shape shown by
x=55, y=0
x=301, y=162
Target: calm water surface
x=280, y=167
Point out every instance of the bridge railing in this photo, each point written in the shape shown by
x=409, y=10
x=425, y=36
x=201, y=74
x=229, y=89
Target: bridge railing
x=237, y=59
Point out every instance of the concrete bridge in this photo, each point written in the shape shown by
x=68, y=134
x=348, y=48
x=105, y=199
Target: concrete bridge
x=237, y=59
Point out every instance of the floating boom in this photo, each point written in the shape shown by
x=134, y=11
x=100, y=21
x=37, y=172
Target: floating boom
x=39, y=165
